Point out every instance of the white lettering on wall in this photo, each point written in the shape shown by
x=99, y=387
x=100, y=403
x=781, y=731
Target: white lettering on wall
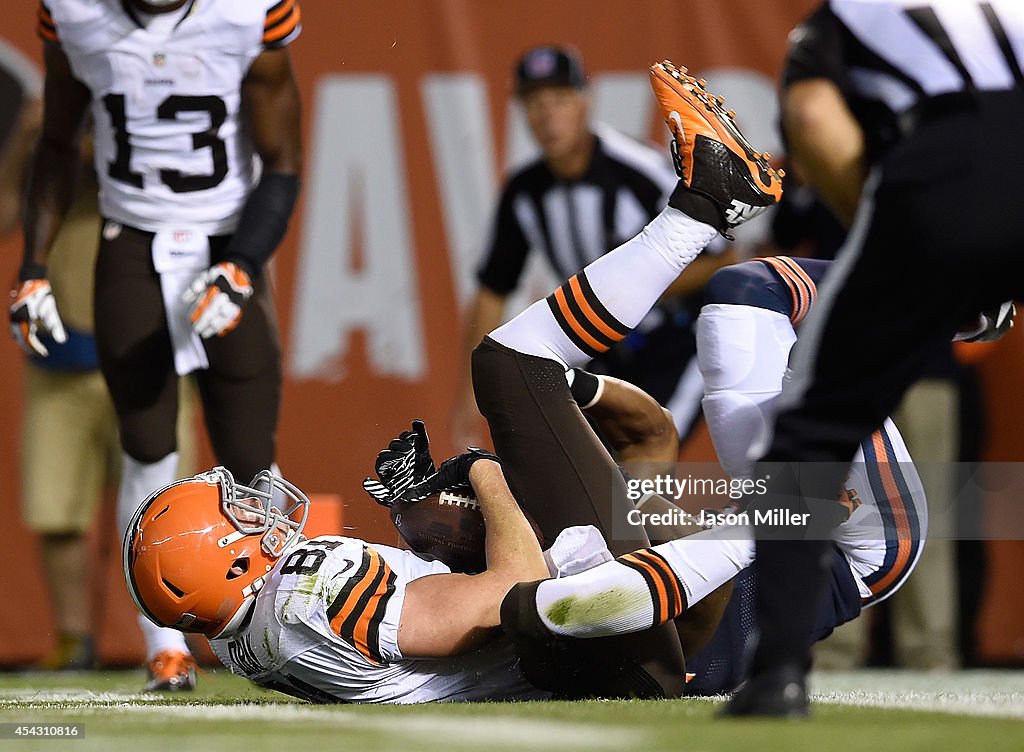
x=462, y=146
x=357, y=265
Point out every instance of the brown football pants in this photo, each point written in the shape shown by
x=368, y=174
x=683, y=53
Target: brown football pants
x=240, y=392
x=562, y=475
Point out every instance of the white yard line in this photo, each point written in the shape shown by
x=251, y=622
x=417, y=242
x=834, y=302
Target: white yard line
x=71, y=696
x=996, y=694
x=990, y=704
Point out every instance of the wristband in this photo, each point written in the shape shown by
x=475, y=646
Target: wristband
x=586, y=388
x=31, y=271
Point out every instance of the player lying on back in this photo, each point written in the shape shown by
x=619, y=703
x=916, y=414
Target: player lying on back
x=332, y=619
x=744, y=336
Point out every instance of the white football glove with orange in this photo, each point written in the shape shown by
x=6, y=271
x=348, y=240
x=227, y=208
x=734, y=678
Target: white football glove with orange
x=33, y=311
x=216, y=297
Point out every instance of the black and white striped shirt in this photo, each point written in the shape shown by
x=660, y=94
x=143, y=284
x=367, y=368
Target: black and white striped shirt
x=889, y=57
x=575, y=222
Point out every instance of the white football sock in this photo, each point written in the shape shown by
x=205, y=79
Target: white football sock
x=742, y=352
x=609, y=599
x=138, y=481
x=647, y=587
x=705, y=561
x=598, y=307
x=159, y=639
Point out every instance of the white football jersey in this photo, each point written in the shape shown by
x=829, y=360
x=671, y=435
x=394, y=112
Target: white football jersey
x=325, y=628
x=169, y=142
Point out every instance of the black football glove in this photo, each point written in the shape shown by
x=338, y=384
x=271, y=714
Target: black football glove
x=406, y=461
x=453, y=475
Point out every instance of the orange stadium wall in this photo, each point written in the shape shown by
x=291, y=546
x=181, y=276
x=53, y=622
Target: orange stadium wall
x=408, y=129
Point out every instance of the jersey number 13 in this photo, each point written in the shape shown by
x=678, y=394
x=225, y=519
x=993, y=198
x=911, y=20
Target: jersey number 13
x=179, y=182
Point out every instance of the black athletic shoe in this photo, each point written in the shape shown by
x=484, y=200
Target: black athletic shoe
x=778, y=693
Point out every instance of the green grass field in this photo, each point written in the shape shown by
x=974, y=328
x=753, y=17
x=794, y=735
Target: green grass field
x=870, y=711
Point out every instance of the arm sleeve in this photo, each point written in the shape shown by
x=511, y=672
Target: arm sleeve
x=264, y=222
x=816, y=50
x=506, y=253
x=282, y=25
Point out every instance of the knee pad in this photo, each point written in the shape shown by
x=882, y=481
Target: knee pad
x=742, y=353
x=736, y=423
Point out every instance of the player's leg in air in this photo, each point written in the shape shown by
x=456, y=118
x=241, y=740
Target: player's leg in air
x=744, y=336
x=555, y=464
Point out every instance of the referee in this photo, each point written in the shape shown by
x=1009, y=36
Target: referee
x=591, y=189
x=905, y=115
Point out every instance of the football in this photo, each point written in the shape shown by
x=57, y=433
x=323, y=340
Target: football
x=447, y=526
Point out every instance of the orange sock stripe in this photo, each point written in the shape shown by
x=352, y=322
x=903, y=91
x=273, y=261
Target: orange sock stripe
x=591, y=344
x=659, y=594
x=677, y=601
x=590, y=313
x=595, y=302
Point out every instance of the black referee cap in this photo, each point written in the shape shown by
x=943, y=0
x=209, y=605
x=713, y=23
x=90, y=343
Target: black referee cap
x=549, y=65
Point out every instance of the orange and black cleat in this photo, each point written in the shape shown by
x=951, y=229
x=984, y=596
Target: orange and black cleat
x=723, y=180
x=172, y=671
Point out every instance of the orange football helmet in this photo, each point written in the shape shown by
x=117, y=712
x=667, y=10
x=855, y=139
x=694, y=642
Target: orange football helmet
x=197, y=551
